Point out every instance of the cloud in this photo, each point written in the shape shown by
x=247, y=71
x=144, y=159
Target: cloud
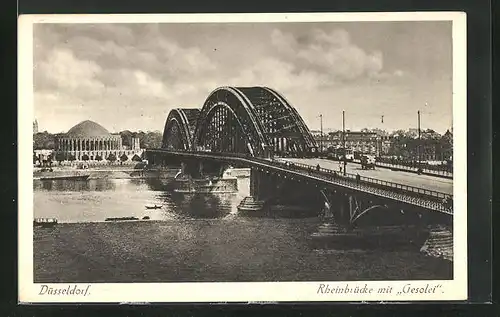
x=140, y=69
x=129, y=76
x=331, y=53
x=63, y=71
x=278, y=74
x=113, y=61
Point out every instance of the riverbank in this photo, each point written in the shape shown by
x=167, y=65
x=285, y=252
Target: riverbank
x=203, y=250
x=124, y=172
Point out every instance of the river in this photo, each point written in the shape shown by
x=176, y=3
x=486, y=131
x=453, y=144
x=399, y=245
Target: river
x=192, y=238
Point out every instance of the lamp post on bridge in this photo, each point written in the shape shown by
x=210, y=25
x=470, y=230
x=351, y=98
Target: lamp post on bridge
x=321, y=134
x=343, y=140
x=419, y=140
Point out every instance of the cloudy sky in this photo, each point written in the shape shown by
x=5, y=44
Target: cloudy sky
x=129, y=76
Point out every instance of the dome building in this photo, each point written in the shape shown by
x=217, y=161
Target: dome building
x=91, y=139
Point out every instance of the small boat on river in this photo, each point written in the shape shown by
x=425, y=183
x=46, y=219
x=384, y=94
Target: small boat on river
x=121, y=219
x=44, y=222
x=153, y=206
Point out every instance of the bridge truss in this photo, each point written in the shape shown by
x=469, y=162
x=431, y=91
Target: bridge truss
x=247, y=120
x=179, y=129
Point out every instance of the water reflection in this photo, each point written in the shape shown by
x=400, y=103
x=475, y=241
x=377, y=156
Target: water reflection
x=98, y=199
x=202, y=205
x=74, y=185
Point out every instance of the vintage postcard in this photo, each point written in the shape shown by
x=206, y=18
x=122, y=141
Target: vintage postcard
x=242, y=157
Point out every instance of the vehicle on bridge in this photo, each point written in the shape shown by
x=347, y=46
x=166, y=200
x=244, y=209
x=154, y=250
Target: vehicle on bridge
x=357, y=155
x=338, y=154
x=334, y=153
x=367, y=162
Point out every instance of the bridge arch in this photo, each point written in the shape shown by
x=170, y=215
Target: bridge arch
x=179, y=128
x=227, y=123
x=255, y=120
x=282, y=124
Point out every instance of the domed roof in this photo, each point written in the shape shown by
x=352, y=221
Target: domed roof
x=88, y=128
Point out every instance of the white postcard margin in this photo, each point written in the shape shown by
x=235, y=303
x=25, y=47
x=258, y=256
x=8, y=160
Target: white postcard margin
x=379, y=291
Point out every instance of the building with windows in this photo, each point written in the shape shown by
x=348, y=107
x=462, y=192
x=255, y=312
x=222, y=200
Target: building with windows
x=90, y=141
x=365, y=142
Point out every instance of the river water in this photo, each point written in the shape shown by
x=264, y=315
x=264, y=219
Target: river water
x=193, y=237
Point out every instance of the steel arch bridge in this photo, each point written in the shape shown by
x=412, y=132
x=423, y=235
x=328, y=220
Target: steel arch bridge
x=179, y=128
x=250, y=120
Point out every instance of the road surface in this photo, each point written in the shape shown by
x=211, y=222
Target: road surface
x=407, y=178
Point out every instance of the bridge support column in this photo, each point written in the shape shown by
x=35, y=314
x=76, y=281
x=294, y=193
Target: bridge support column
x=340, y=208
x=200, y=168
x=152, y=159
x=255, y=202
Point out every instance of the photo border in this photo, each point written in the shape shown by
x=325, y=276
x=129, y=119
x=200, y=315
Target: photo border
x=25, y=112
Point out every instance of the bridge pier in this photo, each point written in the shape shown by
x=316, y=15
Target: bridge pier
x=277, y=193
x=196, y=168
x=259, y=187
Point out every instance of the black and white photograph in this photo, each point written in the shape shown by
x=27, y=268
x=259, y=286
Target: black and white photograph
x=243, y=157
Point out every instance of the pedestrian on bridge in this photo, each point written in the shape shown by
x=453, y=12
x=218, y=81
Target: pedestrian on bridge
x=318, y=167
x=358, y=178
x=447, y=202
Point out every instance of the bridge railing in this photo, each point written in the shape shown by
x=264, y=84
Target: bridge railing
x=442, y=169
x=363, y=180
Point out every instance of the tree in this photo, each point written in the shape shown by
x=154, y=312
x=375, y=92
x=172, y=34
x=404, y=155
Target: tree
x=126, y=137
x=71, y=158
x=150, y=140
x=124, y=157
x=111, y=158
x=85, y=157
x=380, y=132
x=98, y=158
x=44, y=140
x=60, y=157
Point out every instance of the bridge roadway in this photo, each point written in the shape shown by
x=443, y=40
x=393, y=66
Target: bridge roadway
x=407, y=178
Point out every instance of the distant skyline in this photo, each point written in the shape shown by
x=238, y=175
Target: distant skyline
x=129, y=76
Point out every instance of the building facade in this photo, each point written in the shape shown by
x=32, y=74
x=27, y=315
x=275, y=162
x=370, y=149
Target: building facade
x=446, y=146
x=89, y=141
x=358, y=141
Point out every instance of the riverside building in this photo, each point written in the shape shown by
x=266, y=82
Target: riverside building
x=90, y=139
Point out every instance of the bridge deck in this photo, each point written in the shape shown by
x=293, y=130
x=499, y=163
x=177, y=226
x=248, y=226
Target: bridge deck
x=407, y=178
x=420, y=196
